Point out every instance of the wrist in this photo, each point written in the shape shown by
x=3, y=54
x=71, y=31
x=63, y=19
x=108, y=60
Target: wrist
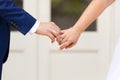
x=77, y=29
x=38, y=30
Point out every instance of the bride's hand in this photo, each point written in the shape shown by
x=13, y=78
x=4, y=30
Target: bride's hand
x=69, y=38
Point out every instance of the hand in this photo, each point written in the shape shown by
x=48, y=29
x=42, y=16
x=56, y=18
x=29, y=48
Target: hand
x=49, y=29
x=69, y=38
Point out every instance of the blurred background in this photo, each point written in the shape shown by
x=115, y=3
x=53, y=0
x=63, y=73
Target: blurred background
x=33, y=57
x=66, y=12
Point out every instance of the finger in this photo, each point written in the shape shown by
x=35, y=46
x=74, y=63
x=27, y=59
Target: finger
x=51, y=36
x=55, y=32
x=56, y=28
x=59, y=40
x=63, y=31
x=64, y=45
x=64, y=39
x=70, y=46
x=57, y=35
x=54, y=25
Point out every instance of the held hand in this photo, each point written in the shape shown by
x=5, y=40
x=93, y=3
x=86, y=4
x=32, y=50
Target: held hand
x=49, y=29
x=69, y=38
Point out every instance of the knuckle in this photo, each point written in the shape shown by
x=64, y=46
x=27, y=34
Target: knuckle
x=52, y=37
x=52, y=23
x=69, y=40
x=48, y=30
x=57, y=34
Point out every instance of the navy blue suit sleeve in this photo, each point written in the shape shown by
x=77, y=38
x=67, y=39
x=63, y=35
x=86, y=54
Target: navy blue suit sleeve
x=16, y=16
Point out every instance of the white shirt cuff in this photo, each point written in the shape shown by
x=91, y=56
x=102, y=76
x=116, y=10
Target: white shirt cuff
x=34, y=28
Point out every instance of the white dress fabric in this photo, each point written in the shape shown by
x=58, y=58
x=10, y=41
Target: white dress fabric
x=114, y=71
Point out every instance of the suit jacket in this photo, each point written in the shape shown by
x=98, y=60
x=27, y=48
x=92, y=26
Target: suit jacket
x=11, y=14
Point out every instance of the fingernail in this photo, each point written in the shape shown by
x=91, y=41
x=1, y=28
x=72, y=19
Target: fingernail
x=59, y=43
x=60, y=48
x=52, y=41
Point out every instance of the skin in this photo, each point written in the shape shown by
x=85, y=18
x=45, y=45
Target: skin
x=70, y=36
x=49, y=29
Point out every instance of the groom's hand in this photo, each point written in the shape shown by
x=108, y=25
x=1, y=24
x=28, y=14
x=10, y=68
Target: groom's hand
x=49, y=29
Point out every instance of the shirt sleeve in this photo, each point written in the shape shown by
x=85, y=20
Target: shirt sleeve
x=34, y=28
